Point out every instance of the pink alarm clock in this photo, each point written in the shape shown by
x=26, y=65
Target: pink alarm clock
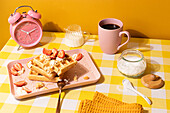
x=26, y=28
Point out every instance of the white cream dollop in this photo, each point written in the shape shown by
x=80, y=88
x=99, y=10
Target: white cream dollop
x=43, y=56
x=49, y=69
x=74, y=56
x=53, y=62
x=60, y=59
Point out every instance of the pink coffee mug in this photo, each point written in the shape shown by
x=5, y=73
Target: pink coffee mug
x=110, y=38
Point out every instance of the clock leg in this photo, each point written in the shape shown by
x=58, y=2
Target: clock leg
x=18, y=47
x=40, y=44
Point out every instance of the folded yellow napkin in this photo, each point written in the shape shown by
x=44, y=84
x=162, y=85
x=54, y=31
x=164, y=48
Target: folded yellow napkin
x=104, y=104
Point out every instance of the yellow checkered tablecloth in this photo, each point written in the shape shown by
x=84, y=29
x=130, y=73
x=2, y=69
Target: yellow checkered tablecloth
x=157, y=55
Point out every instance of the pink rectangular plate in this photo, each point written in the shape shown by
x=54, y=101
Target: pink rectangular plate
x=84, y=67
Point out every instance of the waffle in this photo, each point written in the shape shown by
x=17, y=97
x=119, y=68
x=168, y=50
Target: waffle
x=43, y=72
x=37, y=77
x=64, y=65
x=88, y=106
x=43, y=68
x=103, y=99
x=41, y=60
x=104, y=104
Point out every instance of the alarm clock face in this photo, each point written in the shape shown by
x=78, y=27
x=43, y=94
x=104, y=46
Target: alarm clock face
x=27, y=33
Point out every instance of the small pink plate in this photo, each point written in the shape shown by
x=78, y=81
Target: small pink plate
x=84, y=67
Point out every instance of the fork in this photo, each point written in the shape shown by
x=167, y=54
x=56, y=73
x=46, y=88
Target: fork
x=60, y=84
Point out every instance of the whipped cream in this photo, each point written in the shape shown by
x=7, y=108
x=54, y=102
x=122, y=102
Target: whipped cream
x=43, y=56
x=53, y=62
x=49, y=69
x=60, y=59
x=74, y=56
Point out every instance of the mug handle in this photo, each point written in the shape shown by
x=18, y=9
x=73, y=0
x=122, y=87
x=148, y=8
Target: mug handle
x=86, y=33
x=128, y=38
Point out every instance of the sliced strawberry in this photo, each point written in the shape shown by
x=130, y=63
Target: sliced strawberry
x=47, y=51
x=79, y=57
x=13, y=71
x=61, y=54
x=20, y=83
x=26, y=89
x=18, y=66
x=55, y=52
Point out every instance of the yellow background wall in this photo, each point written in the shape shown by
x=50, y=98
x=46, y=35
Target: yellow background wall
x=142, y=18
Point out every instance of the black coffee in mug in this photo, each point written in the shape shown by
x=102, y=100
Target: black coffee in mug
x=110, y=26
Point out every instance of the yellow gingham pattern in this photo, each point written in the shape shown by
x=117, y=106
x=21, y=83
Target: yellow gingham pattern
x=156, y=52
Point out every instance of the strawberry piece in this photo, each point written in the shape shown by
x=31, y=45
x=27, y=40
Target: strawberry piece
x=61, y=54
x=47, y=51
x=17, y=66
x=20, y=83
x=14, y=72
x=26, y=89
x=79, y=57
x=55, y=52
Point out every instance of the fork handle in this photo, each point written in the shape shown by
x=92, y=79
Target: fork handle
x=58, y=104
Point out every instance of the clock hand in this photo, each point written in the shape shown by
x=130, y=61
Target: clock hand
x=32, y=30
x=24, y=31
x=29, y=36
